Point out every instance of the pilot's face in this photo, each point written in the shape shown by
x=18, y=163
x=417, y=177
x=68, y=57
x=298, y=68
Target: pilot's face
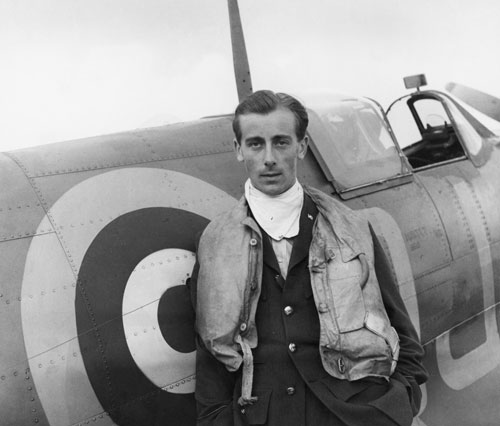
x=269, y=148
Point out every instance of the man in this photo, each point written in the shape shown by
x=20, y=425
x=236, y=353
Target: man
x=299, y=320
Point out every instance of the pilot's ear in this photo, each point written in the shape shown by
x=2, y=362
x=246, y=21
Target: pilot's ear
x=303, y=144
x=237, y=148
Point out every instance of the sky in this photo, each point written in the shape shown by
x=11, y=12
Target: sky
x=78, y=68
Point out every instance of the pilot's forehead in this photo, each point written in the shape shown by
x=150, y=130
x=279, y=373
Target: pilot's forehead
x=278, y=122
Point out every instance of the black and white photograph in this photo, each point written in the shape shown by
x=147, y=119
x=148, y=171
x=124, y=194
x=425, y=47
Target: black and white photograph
x=249, y=212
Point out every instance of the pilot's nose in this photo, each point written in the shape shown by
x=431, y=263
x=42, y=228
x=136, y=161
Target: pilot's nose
x=269, y=159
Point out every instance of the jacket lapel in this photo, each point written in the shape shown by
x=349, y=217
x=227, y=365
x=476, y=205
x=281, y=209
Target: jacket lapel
x=302, y=241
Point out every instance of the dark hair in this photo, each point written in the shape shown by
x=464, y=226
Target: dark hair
x=266, y=101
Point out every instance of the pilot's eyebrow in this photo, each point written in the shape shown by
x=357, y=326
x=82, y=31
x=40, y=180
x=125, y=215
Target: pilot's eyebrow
x=279, y=137
x=253, y=139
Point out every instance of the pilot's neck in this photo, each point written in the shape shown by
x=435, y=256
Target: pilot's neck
x=278, y=215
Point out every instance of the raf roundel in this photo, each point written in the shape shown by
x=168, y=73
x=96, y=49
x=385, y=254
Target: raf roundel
x=122, y=249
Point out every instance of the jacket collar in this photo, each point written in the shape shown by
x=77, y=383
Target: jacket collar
x=339, y=218
x=302, y=241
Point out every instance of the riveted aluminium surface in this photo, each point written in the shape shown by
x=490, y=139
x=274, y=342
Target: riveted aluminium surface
x=458, y=296
x=466, y=202
x=18, y=395
x=48, y=295
x=20, y=208
x=483, y=193
x=426, y=244
x=489, y=195
x=457, y=225
x=444, y=298
x=101, y=243
x=58, y=374
x=13, y=255
x=52, y=187
x=134, y=396
x=19, y=402
x=203, y=137
x=422, y=229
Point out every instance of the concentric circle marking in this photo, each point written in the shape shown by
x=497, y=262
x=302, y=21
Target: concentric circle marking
x=123, y=259
x=148, y=282
x=176, y=324
x=79, y=326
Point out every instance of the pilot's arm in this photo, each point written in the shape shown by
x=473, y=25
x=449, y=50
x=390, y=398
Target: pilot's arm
x=214, y=383
x=410, y=370
x=214, y=390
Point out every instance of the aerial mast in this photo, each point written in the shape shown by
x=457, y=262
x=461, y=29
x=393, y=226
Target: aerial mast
x=240, y=59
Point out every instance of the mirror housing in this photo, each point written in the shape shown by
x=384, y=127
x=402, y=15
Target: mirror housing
x=415, y=81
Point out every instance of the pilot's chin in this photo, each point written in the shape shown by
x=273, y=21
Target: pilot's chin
x=272, y=189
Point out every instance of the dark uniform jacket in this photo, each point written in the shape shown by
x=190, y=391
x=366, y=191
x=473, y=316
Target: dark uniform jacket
x=289, y=380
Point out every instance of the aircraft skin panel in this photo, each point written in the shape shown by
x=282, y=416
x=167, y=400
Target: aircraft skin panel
x=463, y=361
x=18, y=398
x=104, y=232
x=13, y=254
x=199, y=138
x=141, y=310
x=473, y=228
x=475, y=404
x=444, y=194
x=47, y=295
x=440, y=298
x=483, y=192
x=19, y=403
x=20, y=209
x=421, y=226
x=488, y=194
x=54, y=357
x=458, y=288
x=20, y=214
x=426, y=246
x=486, y=278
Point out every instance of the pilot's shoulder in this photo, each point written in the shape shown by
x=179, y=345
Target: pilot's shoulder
x=233, y=216
x=327, y=201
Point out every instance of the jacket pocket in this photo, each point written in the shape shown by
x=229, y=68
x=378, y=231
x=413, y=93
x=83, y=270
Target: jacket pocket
x=344, y=281
x=356, y=336
x=256, y=414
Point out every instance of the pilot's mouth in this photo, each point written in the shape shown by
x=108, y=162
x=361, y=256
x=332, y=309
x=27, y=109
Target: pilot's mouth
x=270, y=175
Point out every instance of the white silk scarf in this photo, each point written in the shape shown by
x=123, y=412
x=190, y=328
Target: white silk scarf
x=278, y=215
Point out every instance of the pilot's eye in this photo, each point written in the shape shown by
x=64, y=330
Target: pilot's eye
x=254, y=144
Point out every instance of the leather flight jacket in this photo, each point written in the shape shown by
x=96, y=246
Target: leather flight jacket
x=356, y=337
